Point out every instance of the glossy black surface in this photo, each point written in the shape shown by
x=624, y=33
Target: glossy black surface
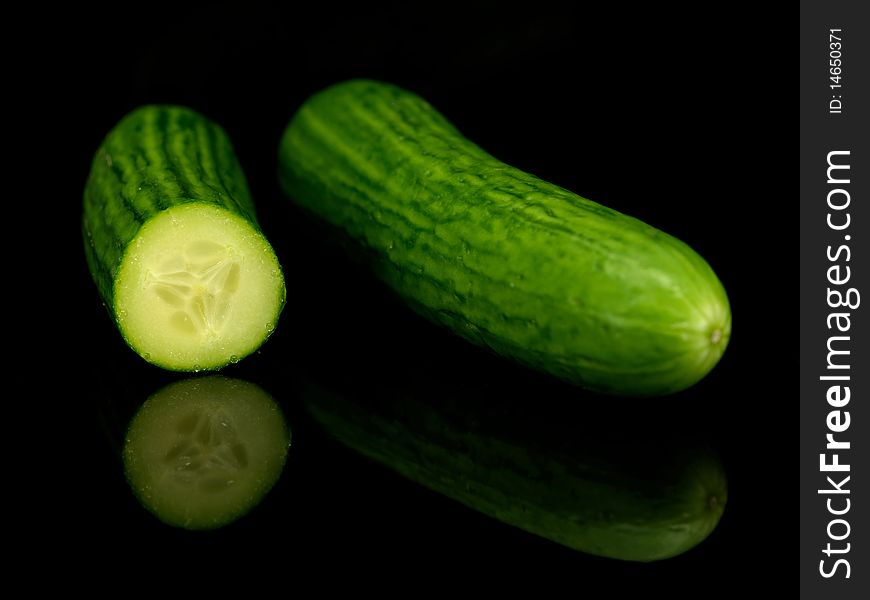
x=651, y=117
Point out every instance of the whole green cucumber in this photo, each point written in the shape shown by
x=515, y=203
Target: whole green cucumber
x=173, y=244
x=504, y=259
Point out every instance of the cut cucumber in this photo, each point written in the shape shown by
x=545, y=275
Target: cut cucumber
x=201, y=453
x=172, y=241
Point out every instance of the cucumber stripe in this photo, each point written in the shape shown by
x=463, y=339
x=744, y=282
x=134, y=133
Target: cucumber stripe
x=230, y=175
x=205, y=156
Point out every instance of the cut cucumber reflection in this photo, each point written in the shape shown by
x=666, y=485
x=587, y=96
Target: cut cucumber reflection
x=202, y=452
x=641, y=495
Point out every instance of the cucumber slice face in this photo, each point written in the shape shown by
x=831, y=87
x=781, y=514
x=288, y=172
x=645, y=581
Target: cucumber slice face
x=201, y=453
x=198, y=288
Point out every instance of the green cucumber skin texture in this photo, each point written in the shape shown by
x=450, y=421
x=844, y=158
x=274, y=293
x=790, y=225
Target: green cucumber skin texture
x=156, y=157
x=639, y=500
x=504, y=259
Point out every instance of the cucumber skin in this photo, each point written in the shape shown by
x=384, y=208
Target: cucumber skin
x=638, y=500
x=510, y=262
x=157, y=157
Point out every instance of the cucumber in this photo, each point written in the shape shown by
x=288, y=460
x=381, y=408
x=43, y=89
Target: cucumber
x=200, y=453
x=510, y=262
x=173, y=244
x=627, y=491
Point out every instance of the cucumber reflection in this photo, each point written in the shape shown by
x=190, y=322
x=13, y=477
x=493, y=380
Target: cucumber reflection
x=202, y=452
x=627, y=492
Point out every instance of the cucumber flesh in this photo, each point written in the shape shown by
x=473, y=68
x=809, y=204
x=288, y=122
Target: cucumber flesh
x=201, y=453
x=196, y=288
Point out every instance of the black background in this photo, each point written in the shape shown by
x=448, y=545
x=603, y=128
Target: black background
x=675, y=118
